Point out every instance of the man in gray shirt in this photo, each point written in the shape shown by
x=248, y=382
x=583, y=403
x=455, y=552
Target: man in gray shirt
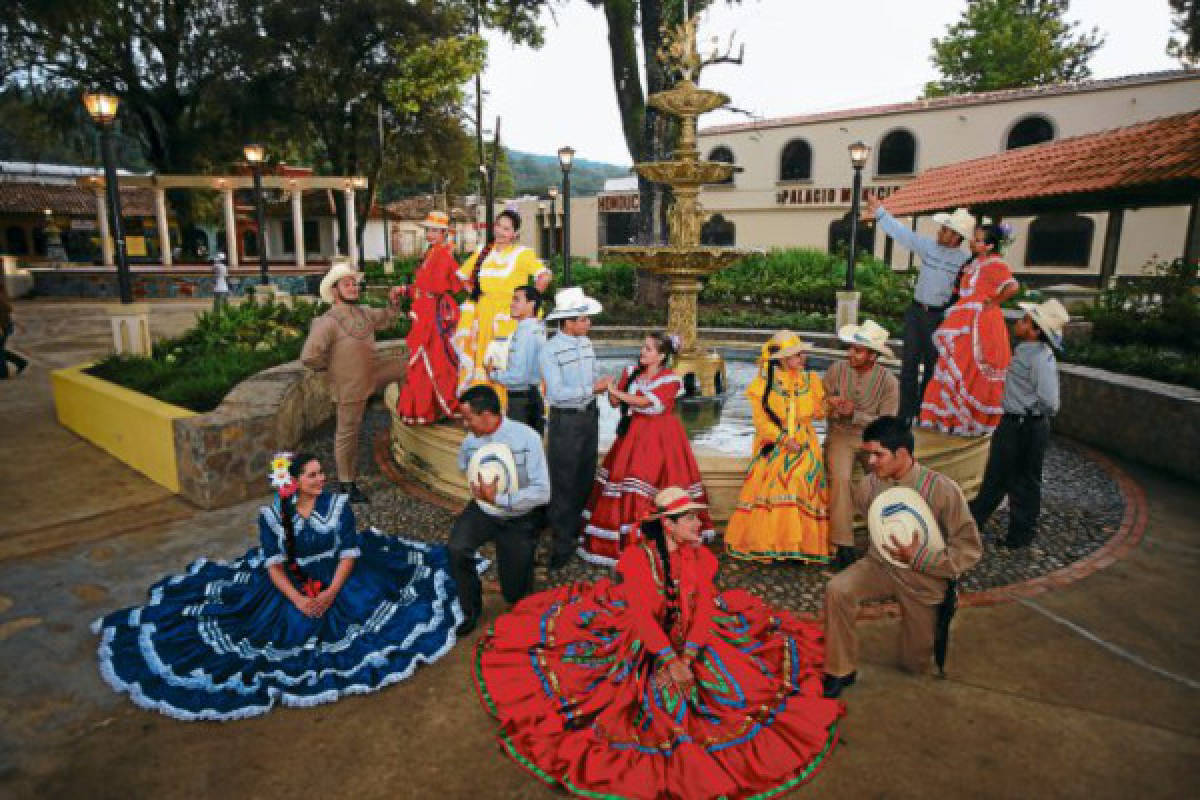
x=510, y=519
x=1018, y=445
x=942, y=260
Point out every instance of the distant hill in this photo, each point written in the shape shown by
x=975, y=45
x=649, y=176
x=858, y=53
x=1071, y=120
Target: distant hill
x=532, y=173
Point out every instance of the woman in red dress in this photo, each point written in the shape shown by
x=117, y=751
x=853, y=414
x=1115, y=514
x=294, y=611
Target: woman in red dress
x=651, y=451
x=428, y=393
x=966, y=394
x=655, y=685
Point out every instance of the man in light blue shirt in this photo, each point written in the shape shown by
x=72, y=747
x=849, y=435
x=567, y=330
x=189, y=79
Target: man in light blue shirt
x=942, y=259
x=568, y=365
x=511, y=519
x=1018, y=445
x=522, y=373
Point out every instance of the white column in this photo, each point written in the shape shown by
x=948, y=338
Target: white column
x=298, y=225
x=351, y=226
x=106, y=244
x=164, y=232
x=231, y=237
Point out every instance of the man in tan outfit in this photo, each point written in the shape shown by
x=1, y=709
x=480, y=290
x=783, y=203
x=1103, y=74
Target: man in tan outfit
x=920, y=587
x=342, y=342
x=858, y=390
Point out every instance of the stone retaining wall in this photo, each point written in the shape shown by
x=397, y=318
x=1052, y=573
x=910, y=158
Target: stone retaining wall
x=223, y=455
x=1140, y=419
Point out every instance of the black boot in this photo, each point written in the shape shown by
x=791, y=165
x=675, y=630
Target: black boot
x=356, y=494
x=832, y=685
x=844, y=557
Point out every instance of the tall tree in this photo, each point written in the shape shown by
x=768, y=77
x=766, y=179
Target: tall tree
x=1006, y=44
x=1185, y=21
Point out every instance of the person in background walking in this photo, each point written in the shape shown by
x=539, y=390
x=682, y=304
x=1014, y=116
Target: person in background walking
x=220, y=284
x=1018, y=446
x=941, y=261
x=6, y=330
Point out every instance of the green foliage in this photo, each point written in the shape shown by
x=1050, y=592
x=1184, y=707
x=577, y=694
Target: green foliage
x=1156, y=363
x=1159, y=309
x=1185, y=21
x=1006, y=44
x=196, y=370
x=533, y=173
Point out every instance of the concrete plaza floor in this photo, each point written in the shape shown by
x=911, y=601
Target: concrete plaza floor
x=1090, y=690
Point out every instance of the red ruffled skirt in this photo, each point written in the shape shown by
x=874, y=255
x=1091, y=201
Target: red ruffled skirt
x=570, y=684
x=652, y=455
x=428, y=393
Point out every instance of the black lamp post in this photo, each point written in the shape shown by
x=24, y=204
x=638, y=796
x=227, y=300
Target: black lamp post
x=489, y=188
x=255, y=153
x=859, y=152
x=102, y=108
x=552, y=192
x=565, y=156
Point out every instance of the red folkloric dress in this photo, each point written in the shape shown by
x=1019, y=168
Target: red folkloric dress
x=428, y=393
x=966, y=394
x=653, y=454
x=568, y=674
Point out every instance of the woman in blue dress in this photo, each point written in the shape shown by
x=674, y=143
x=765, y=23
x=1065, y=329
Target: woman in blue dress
x=316, y=612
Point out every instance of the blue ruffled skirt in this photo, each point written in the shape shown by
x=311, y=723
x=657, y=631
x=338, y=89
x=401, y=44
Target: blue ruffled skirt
x=220, y=642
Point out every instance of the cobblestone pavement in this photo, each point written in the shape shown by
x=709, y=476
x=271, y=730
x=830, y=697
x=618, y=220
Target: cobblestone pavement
x=1082, y=508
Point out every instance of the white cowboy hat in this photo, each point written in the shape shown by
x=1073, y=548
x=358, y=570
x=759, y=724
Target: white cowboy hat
x=900, y=512
x=490, y=462
x=341, y=268
x=572, y=302
x=870, y=335
x=1050, y=317
x=961, y=222
x=672, y=501
x=436, y=219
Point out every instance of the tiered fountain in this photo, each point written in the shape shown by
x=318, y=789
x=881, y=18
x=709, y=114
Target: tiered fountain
x=683, y=262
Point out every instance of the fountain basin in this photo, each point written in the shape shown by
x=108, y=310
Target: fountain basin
x=721, y=435
x=682, y=173
x=678, y=262
x=686, y=99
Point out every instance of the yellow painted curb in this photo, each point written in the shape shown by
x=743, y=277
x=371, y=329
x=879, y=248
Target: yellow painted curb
x=132, y=427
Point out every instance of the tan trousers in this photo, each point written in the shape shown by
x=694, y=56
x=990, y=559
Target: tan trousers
x=349, y=422
x=840, y=449
x=868, y=579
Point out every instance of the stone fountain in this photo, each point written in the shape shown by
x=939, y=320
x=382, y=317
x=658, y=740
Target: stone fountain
x=683, y=262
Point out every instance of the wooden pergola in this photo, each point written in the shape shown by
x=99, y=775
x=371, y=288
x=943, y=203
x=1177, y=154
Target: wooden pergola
x=1155, y=163
x=226, y=185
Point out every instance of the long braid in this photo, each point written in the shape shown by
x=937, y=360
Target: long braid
x=476, y=291
x=653, y=529
x=287, y=512
x=766, y=405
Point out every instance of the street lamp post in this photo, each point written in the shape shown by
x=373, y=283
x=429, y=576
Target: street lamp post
x=255, y=153
x=552, y=192
x=565, y=156
x=102, y=108
x=859, y=152
x=489, y=200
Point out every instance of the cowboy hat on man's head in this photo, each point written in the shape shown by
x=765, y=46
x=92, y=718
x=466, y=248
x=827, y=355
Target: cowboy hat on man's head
x=1050, y=317
x=961, y=222
x=870, y=335
x=340, y=268
x=571, y=302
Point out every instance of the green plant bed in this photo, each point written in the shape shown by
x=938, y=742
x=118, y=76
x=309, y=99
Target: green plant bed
x=1143, y=361
x=196, y=370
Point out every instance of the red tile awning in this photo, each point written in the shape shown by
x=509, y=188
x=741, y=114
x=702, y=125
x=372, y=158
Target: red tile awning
x=1151, y=163
x=18, y=197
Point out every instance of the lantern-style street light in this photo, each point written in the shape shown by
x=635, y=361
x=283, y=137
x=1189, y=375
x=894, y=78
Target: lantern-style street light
x=859, y=153
x=255, y=155
x=566, y=155
x=102, y=108
x=552, y=193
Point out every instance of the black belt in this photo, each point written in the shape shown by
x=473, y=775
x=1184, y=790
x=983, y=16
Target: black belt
x=1023, y=417
x=585, y=410
x=522, y=392
x=933, y=309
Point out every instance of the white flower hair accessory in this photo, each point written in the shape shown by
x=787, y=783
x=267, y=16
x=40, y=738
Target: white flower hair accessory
x=281, y=478
x=675, y=341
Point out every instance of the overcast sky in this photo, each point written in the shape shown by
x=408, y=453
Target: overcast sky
x=801, y=56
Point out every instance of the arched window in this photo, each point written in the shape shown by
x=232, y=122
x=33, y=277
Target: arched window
x=1031, y=130
x=724, y=155
x=839, y=236
x=718, y=232
x=15, y=243
x=1060, y=240
x=897, y=154
x=796, y=162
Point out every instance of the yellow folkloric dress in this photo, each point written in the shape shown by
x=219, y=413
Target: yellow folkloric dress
x=488, y=319
x=783, y=508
